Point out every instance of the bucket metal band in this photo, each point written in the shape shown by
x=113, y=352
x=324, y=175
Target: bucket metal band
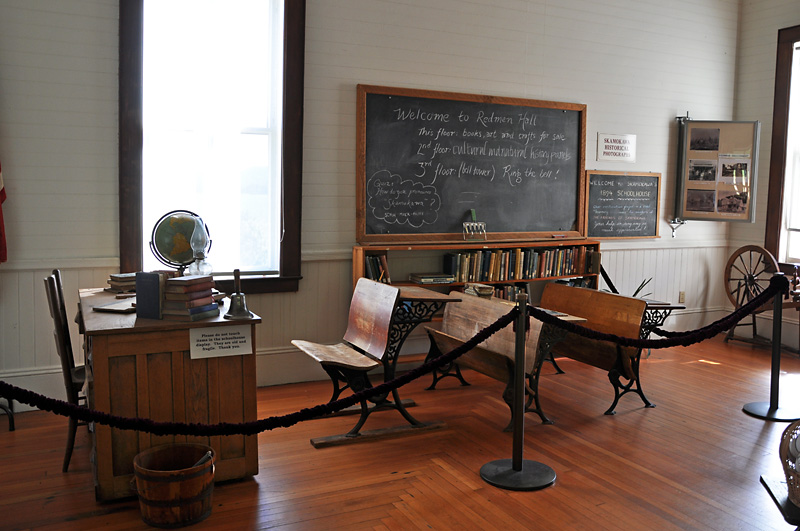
x=180, y=501
x=170, y=479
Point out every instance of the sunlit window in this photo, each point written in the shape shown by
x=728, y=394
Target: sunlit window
x=790, y=230
x=212, y=122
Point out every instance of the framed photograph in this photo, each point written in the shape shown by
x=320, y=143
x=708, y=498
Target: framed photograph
x=717, y=166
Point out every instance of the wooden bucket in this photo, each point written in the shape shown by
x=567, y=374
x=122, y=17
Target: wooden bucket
x=172, y=491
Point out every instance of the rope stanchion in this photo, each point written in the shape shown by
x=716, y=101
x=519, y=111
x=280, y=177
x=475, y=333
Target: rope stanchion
x=771, y=410
x=518, y=473
x=778, y=286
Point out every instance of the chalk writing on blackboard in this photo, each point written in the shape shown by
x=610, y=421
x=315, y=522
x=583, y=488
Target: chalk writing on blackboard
x=398, y=201
x=428, y=159
x=623, y=205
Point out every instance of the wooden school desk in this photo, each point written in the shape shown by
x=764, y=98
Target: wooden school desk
x=415, y=305
x=143, y=368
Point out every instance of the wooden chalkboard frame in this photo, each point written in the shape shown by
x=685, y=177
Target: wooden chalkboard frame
x=652, y=179
x=365, y=238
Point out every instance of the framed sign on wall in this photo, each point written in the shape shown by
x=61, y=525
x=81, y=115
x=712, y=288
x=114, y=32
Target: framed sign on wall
x=717, y=170
x=622, y=204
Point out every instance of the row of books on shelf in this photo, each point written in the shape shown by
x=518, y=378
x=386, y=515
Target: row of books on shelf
x=509, y=292
x=376, y=267
x=501, y=265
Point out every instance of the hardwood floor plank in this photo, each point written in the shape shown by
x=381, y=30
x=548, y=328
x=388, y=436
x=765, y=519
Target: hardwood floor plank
x=693, y=462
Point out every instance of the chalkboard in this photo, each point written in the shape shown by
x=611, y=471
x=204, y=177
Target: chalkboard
x=623, y=205
x=427, y=160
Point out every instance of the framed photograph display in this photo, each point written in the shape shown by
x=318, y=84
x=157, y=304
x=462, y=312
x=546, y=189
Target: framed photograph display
x=717, y=170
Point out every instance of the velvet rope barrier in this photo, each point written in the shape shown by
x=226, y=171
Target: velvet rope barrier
x=66, y=409
x=778, y=284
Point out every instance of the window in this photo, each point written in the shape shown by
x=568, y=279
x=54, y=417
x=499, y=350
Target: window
x=212, y=123
x=790, y=231
x=782, y=236
x=219, y=161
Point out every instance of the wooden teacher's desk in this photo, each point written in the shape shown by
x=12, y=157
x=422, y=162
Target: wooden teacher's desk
x=144, y=368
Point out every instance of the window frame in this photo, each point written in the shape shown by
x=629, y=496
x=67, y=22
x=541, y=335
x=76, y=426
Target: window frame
x=131, y=31
x=780, y=129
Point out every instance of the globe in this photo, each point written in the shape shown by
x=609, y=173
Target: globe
x=171, y=240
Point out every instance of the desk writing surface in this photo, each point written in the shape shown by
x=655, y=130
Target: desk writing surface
x=563, y=316
x=143, y=368
x=118, y=323
x=416, y=293
x=662, y=305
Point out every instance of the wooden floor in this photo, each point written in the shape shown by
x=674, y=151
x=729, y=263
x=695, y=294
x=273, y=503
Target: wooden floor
x=693, y=462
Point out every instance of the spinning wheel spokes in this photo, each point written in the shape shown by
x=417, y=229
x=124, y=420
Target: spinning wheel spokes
x=748, y=273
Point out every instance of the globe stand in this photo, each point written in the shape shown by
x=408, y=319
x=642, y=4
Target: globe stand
x=182, y=258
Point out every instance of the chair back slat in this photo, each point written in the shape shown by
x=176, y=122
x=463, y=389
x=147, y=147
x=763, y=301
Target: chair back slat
x=370, y=317
x=62, y=312
x=61, y=334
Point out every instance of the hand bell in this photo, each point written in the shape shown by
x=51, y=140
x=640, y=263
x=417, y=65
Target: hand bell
x=238, y=308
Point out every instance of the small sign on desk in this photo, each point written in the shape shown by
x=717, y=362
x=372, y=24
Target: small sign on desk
x=215, y=342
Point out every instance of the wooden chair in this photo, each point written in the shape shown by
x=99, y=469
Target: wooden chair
x=74, y=376
x=365, y=342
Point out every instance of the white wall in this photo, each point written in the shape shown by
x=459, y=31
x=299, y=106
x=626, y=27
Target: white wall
x=636, y=64
x=756, y=86
x=755, y=89
x=58, y=148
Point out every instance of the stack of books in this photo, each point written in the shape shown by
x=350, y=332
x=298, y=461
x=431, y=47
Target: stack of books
x=432, y=278
x=121, y=283
x=479, y=290
x=189, y=298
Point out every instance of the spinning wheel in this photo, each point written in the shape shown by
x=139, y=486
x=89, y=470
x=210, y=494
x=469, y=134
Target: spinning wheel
x=747, y=274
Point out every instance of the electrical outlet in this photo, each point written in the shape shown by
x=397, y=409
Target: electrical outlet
x=681, y=297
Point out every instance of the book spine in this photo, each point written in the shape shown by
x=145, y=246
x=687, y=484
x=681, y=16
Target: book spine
x=385, y=265
x=368, y=267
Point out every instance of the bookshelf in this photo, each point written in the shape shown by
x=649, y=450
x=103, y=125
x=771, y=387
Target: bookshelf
x=500, y=264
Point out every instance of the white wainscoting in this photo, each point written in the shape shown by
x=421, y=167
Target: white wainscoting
x=28, y=358
x=318, y=312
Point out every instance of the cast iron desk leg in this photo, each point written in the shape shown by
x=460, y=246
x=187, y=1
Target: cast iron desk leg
x=10, y=412
x=409, y=314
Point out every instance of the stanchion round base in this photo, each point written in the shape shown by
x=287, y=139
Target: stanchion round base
x=533, y=476
x=762, y=410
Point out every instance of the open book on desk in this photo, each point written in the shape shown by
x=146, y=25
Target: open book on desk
x=121, y=306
